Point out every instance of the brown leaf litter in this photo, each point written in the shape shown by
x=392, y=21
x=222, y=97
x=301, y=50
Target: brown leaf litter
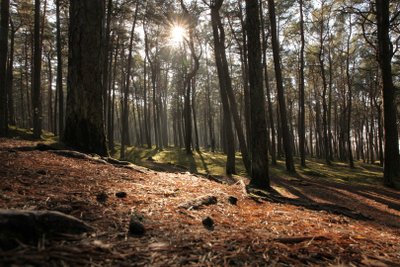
x=250, y=233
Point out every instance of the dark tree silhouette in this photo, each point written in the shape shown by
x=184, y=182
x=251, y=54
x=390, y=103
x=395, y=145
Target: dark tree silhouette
x=392, y=160
x=5, y=13
x=84, y=128
x=259, y=152
x=37, y=68
x=287, y=138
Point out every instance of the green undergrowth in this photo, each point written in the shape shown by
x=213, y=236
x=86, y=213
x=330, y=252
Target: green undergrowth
x=213, y=163
x=206, y=162
x=47, y=138
x=203, y=162
x=362, y=173
x=27, y=134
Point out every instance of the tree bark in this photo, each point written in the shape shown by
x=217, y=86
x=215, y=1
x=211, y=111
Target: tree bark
x=287, y=139
x=106, y=47
x=37, y=66
x=391, y=166
x=59, y=89
x=5, y=13
x=219, y=39
x=125, y=140
x=146, y=110
x=350, y=98
x=10, y=76
x=272, y=145
x=111, y=105
x=84, y=127
x=50, y=94
x=259, y=150
x=302, y=117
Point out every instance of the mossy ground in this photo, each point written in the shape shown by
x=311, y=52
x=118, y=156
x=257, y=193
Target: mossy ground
x=27, y=134
x=206, y=162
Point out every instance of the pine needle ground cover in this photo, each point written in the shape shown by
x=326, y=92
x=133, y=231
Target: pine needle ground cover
x=253, y=232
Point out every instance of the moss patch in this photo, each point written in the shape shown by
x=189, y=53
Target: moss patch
x=206, y=162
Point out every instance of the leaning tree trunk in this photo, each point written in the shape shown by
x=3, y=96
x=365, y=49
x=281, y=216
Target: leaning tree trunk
x=227, y=121
x=259, y=151
x=287, y=143
x=392, y=161
x=84, y=127
x=227, y=88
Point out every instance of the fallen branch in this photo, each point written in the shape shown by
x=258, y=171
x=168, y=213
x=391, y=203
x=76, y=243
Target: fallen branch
x=199, y=202
x=299, y=239
x=29, y=226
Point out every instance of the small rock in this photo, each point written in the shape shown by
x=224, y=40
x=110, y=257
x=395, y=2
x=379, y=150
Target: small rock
x=208, y=223
x=150, y=159
x=101, y=197
x=232, y=200
x=136, y=227
x=41, y=172
x=121, y=194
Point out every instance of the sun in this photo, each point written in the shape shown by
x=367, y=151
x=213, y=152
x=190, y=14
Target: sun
x=177, y=34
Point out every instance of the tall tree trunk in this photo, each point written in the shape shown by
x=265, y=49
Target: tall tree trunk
x=321, y=60
x=380, y=133
x=209, y=108
x=272, y=145
x=50, y=94
x=28, y=87
x=5, y=13
x=392, y=161
x=259, y=150
x=125, y=140
x=287, y=139
x=350, y=98
x=219, y=47
x=189, y=85
x=60, y=90
x=302, y=115
x=242, y=43
x=106, y=47
x=37, y=66
x=146, y=109
x=84, y=127
x=196, y=132
x=231, y=98
x=188, y=116
x=10, y=77
x=111, y=105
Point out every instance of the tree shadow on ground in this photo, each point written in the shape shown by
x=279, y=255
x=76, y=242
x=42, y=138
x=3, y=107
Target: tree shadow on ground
x=377, y=203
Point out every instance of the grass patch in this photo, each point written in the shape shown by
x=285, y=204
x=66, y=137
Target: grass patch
x=27, y=134
x=207, y=162
x=203, y=162
x=340, y=172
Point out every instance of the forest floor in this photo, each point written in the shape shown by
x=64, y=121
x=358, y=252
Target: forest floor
x=345, y=222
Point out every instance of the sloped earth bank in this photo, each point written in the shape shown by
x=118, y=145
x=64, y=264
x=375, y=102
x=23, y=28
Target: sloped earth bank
x=253, y=232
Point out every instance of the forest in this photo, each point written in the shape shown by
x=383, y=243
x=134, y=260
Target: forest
x=199, y=133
